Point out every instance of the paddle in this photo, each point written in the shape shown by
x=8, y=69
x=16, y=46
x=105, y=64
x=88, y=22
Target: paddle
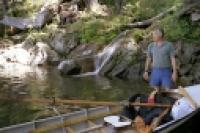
x=55, y=101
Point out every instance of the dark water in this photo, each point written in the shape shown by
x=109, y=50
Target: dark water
x=22, y=81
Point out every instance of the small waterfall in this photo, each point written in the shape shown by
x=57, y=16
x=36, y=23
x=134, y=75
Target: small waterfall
x=102, y=58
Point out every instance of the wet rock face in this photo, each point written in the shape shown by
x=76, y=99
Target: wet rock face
x=191, y=9
x=44, y=54
x=188, y=63
x=69, y=67
x=84, y=50
x=28, y=54
x=187, y=53
x=128, y=62
x=135, y=72
x=124, y=61
x=62, y=42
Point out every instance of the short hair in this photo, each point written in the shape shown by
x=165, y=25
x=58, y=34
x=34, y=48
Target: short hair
x=160, y=30
x=133, y=98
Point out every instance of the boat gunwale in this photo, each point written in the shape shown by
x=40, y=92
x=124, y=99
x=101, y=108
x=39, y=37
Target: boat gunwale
x=86, y=112
x=168, y=124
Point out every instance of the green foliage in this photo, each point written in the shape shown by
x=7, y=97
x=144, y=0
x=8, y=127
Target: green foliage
x=99, y=31
x=107, y=2
x=144, y=9
x=194, y=34
x=24, y=8
x=102, y=30
x=180, y=29
x=90, y=31
x=138, y=35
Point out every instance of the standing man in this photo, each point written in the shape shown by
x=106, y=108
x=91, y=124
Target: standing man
x=161, y=60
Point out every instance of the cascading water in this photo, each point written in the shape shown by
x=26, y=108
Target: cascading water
x=103, y=57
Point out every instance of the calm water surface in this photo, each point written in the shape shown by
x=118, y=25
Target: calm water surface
x=18, y=81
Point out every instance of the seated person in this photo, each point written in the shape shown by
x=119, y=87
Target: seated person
x=147, y=113
x=144, y=117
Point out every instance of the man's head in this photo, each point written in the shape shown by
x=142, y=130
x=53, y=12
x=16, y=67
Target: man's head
x=158, y=34
x=137, y=98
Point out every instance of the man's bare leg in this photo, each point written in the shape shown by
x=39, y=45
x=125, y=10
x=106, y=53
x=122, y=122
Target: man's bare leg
x=157, y=89
x=151, y=97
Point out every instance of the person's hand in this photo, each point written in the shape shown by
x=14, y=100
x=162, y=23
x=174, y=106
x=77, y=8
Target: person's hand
x=174, y=76
x=146, y=75
x=151, y=98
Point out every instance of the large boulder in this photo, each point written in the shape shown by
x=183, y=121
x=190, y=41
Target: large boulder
x=62, y=42
x=134, y=72
x=195, y=72
x=16, y=54
x=185, y=51
x=195, y=17
x=69, y=67
x=122, y=59
x=16, y=70
x=28, y=54
x=186, y=80
x=188, y=63
x=84, y=50
x=187, y=54
x=44, y=54
x=185, y=69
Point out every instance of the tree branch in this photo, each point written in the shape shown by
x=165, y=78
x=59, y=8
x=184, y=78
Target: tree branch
x=148, y=22
x=43, y=16
x=187, y=8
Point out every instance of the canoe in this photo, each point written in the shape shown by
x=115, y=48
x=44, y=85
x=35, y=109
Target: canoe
x=192, y=93
x=92, y=119
x=175, y=124
x=78, y=121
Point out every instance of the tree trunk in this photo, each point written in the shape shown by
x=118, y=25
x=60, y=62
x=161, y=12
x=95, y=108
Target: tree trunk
x=44, y=15
x=148, y=22
x=13, y=6
x=118, y=5
x=190, y=1
x=188, y=7
x=4, y=7
x=92, y=5
x=95, y=7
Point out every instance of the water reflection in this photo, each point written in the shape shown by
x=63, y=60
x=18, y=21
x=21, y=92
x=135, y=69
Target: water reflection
x=16, y=70
x=34, y=82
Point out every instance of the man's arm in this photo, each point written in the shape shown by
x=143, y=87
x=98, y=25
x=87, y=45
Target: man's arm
x=174, y=74
x=147, y=64
x=146, y=69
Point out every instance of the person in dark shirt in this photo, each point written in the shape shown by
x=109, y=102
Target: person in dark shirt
x=147, y=113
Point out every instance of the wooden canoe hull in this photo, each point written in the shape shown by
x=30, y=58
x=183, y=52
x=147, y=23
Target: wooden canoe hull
x=31, y=126
x=78, y=121
x=174, y=125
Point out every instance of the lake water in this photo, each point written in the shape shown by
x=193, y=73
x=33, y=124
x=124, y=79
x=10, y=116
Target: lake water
x=18, y=81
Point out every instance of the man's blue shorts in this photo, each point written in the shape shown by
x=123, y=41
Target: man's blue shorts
x=161, y=77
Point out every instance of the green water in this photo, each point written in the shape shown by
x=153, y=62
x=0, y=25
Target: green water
x=46, y=83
